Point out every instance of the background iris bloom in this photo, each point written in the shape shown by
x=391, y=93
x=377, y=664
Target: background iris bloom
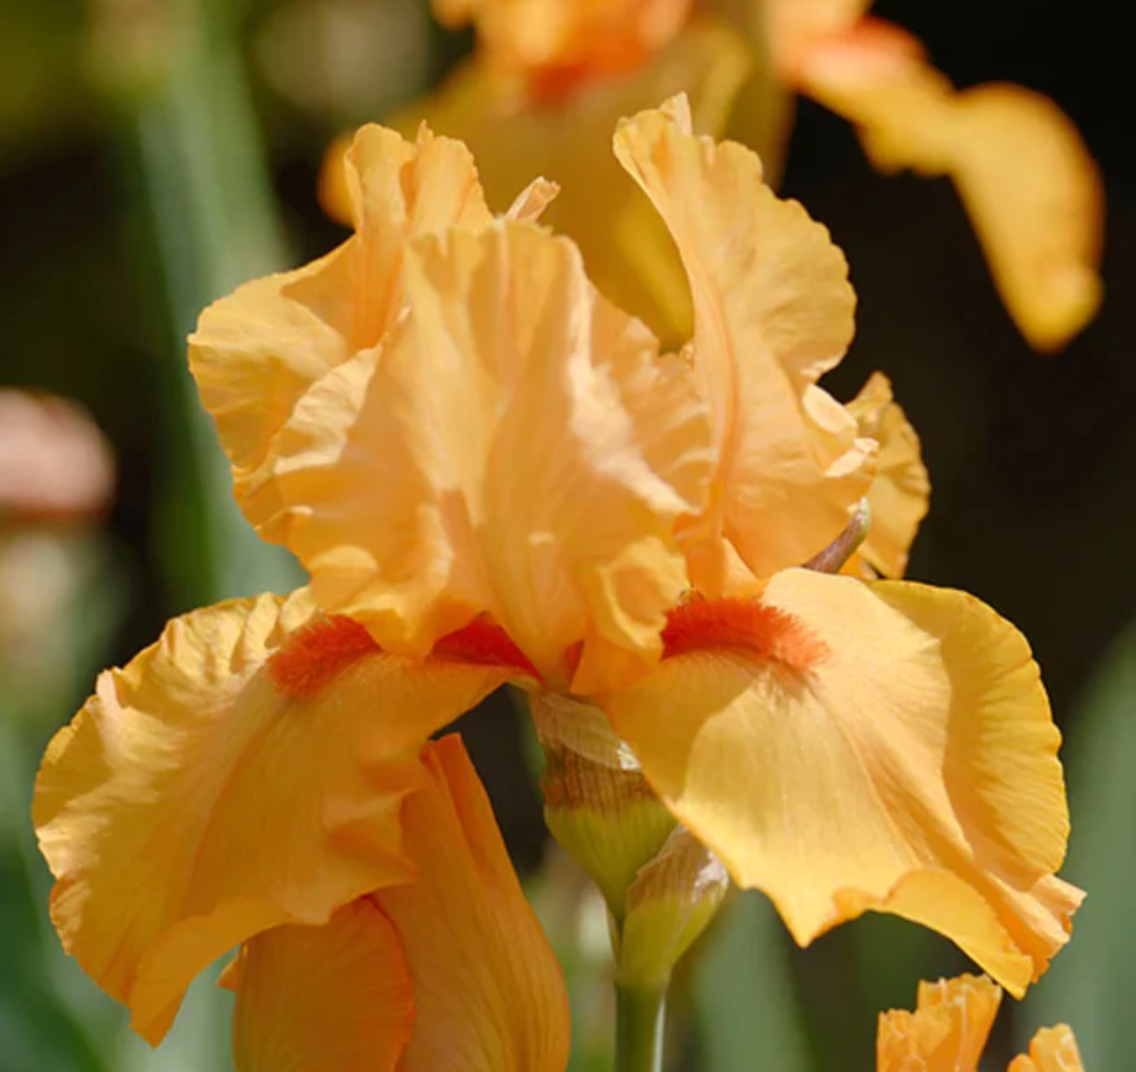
x=950, y=1026
x=550, y=76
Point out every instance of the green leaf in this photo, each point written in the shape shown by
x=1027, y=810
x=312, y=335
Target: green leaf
x=745, y=997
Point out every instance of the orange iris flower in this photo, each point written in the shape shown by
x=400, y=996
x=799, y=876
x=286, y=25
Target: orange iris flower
x=948, y=1032
x=549, y=77
x=491, y=474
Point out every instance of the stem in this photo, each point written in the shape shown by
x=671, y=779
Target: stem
x=640, y=1014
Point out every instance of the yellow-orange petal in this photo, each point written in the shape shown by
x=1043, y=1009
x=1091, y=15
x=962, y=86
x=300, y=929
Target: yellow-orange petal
x=449, y=972
x=946, y=1033
x=1029, y=184
x=257, y=352
x=338, y=997
x=520, y=449
x=488, y=991
x=245, y=771
x=847, y=747
x=900, y=492
x=1052, y=1049
x=773, y=311
x=627, y=250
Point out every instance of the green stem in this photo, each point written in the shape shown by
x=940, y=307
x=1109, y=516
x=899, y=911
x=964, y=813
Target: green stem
x=640, y=1015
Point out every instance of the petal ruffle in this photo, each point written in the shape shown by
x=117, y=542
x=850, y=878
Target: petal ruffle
x=449, y=972
x=773, y=311
x=626, y=248
x=946, y=1033
x=429, y=486
x=900, y=493
x=244, y=772
x=846, y=747
x=1052, y=1049
x=1032, y=190
x=257, y=352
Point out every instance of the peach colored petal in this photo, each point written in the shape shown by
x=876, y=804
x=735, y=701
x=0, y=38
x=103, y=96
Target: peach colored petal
x=449, y=972
x=257, y=352
x=1053, y=1049
x=338, y=997
x=243, y=772
x=900, y=493
x=627, y=250
x=773, y=311
x=946, y=1033
x=519, y=449
x=556, y=44
x=488, y=991
x=1032, y=190
x=846, y=747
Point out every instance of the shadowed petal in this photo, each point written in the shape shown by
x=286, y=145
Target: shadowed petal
x=900, y=492
x=245, y=771
x=338, y=997
x=449, y=972
x=846, y=747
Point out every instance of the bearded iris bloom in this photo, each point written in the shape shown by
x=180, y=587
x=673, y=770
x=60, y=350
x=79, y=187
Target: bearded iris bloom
x=549, y=76
x=492, y=474
x=948, y=1032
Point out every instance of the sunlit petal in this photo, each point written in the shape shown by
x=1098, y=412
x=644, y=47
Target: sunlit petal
x=1052, y=1049
x=946, y=1033
x=846, y=747
x=900, y=493
x=1024, y=174
x=245, y=771
x=257, y=352
x=773, y=311
x=519, y=449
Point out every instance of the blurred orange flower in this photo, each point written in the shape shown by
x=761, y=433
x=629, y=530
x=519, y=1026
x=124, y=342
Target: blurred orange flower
x=948, y=1032
x=537, y=98
x=493, y=475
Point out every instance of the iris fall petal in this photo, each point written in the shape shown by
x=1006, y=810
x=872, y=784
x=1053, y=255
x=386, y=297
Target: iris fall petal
x=884, y=747
x=244, y=772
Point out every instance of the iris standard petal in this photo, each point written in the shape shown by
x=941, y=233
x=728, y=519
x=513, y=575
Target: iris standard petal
x=846, y=747
x=773, y=311
x=1029, y=184
x=258, y=351
x=245, y=771
x=520, y=449
x=900, y=492
x=449, y=972
x=626, y=248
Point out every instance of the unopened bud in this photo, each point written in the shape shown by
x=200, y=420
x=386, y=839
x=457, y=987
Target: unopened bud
x=597, y=804
x=662, y=886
